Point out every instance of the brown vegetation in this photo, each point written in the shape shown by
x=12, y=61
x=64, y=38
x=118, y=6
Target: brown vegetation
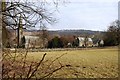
x=17, y=65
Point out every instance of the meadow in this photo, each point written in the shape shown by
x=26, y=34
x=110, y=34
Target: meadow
x=86, y=63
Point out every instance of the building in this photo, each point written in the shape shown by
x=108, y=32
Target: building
x=98, y=43
x=85, y=43
x=81, y=41
x=35, y=42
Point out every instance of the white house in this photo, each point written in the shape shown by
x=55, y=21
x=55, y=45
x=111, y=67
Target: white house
x=30, y=41
x=98, y=42
x=33, y=42
x=82, y=42
x=90, y=42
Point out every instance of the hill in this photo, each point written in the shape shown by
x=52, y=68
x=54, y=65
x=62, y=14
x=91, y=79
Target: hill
x=80, y=32
x=75, y=32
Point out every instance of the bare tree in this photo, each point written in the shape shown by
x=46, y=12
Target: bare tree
x=31, y=14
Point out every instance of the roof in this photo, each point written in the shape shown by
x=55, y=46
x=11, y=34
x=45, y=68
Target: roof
x=82, y=39
x=32, y=38
x=89, y=39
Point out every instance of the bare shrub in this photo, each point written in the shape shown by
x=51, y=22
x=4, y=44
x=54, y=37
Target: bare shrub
x=18, y=65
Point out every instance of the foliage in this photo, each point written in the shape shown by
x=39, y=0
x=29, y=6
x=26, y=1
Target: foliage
x=56, y=42
x=64, y=41
x=75, y=42
x=112, y=36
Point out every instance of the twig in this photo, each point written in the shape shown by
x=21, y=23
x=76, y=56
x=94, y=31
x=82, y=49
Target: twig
x=37, y=66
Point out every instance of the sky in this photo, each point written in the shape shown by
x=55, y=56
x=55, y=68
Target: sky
x=94, y=15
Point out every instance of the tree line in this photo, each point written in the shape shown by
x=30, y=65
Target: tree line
x=112, y=36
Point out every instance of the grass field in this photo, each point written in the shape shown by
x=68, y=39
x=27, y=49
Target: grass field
x=91, y=63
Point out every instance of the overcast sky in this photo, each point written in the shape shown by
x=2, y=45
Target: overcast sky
x=86, y=14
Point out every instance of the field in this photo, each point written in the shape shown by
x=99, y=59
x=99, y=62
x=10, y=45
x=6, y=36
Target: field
x=87, y=63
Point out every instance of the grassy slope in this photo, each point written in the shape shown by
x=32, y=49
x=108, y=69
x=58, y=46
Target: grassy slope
x=84, y=63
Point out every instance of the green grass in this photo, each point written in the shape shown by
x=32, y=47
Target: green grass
x=91, y=63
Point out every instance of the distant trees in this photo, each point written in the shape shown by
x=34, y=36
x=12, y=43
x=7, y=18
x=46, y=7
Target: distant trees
x=56, y=42
x=64, y=41
x=75, y=42
x=69, y=40
x=112, y=36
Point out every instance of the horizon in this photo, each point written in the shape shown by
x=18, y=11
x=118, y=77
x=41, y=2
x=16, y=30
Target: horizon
x=73, y=29
x=66, y=30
